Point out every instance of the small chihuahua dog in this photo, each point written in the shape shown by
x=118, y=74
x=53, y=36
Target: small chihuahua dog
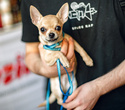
x=50, y=32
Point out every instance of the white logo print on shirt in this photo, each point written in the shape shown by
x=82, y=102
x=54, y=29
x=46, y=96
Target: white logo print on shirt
x=81, y=11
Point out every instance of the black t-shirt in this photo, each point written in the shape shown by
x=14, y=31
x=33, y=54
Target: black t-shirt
x=99, y=27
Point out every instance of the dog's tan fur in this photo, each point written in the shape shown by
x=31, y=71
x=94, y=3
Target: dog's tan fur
x=50, y=22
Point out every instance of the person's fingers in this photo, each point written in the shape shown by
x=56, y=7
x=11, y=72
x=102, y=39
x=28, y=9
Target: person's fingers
x=71, y=67
x=72, y=101
x=74, y=95
x=72, y=64
x=72, y=59
x=70, y=49
x=70, y=105
x=64, y=47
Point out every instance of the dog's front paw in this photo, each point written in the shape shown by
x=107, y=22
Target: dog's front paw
x=65, y=63
x=89, y=62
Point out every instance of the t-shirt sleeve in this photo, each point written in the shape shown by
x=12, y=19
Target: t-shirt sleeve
x=29, y=30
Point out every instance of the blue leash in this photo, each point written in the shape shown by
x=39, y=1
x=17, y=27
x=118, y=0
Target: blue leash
x=47, y=95
x=59, y=75
x=70, y=90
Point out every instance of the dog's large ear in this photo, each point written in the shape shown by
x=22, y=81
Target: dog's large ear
x=63, y=13
x=35, y=15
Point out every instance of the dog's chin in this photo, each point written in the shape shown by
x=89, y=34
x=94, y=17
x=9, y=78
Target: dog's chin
x=52, y=40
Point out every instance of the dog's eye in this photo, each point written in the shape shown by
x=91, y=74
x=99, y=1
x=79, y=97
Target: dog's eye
x=43, y=29
x=58, y=28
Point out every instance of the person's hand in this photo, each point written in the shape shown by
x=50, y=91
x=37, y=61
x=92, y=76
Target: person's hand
x=67, y=49
x=83, y=98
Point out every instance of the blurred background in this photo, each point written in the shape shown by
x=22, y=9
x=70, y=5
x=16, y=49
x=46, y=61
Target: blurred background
x=20, y=89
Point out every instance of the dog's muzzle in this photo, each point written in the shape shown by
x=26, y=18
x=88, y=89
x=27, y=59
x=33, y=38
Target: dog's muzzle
x=52, y=37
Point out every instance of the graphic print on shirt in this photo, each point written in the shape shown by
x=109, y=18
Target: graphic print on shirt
x=82, y=11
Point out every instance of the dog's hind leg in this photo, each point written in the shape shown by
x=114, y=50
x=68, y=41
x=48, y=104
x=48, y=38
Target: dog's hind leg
x=55, y=88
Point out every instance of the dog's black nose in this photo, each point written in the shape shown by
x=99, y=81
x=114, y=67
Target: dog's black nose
x=51, y=35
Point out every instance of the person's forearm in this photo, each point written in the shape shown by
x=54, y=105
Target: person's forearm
x=111, y=80
x=36, y=65
x=33, y=62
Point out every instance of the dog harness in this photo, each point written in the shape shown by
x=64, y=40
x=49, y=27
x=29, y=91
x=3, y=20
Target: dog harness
x=70, y=89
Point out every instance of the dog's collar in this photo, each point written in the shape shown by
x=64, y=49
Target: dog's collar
x=53, y=46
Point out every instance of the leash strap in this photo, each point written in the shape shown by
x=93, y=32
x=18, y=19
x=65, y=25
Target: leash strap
x=70, y=89
x=59, y=75
x=65, y=97
x=47, y=95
